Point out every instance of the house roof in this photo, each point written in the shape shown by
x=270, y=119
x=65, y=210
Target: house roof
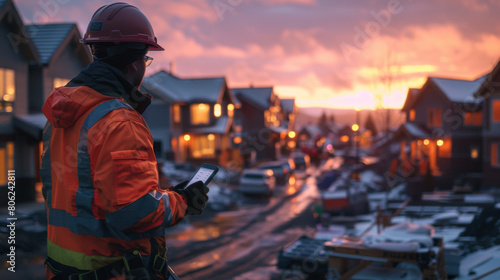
x=288, y=105
x=32, y=124
x=410, y=97
x=175, y=89
x=412, y=131
x=312, y=130
x=259, y=96
x=459, y=91
x=16, y=25
x=49, y=38
x=222, y=125
x=484, y=88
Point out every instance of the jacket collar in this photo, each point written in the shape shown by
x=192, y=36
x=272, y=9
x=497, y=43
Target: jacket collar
x=109, y=81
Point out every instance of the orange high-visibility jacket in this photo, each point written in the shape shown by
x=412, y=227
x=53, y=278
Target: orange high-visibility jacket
x=100, y=180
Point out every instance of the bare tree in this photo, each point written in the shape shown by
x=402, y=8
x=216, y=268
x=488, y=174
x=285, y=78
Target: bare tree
x=384, y=78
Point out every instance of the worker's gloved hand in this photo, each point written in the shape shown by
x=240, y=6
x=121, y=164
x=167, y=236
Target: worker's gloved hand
x=195, y=194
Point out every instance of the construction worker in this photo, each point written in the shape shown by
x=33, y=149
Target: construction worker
x=105, y=209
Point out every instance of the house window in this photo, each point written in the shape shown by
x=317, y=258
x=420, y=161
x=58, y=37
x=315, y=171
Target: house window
x=176, y=112
x=434, y=117
x=203, y=146
x=200, y=113
x=412, y=115
x=444, y=148
x=473, y=118
x=230, y=110
x=495, y=114
x=217, y=110
x=58, y=82
x=474, y=152
x=494, y=155
x=6, y=160
x=7, y=90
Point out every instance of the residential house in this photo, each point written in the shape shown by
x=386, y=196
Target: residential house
x=443, y=127
x=489, y=91
x=15, y=57
x=289, y=110
x=262, y=122
x=192, y=119
x=35, y=59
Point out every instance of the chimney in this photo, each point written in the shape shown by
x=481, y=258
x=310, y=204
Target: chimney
x=172, y=66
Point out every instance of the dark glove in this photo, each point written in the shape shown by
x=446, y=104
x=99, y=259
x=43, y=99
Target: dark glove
x=196, y=196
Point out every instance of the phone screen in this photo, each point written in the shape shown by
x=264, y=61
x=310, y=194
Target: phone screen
x=203, y=175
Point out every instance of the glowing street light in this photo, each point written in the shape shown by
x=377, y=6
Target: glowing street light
x=355, y=127
x=291, y=134
x=187, y=137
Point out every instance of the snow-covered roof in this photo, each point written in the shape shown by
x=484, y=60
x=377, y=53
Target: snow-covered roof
x=32, y=124
x=288, y=105
x=413, y=131
x=410, y=97
x=221, y=126
x=48, y=38
x=459, y=91
x=490, y=83
x=259, y=96
x=176, y=89
x=312, y=130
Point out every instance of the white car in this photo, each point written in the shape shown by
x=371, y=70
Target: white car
x=257, y=181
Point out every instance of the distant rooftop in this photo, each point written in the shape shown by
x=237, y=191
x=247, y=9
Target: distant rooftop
x=48, y=38
x=176, y=89
x=288, y=105
x=459, y=91
x=259, y=96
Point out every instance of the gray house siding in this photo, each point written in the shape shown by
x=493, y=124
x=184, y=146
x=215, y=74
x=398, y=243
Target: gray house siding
x=157, y=117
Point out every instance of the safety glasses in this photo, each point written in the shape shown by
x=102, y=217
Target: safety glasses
x=148, y=60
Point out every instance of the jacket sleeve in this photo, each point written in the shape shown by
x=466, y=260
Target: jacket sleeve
x=126, y=177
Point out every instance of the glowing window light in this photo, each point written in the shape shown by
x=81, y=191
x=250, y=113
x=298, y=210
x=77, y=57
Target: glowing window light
x=217, y=110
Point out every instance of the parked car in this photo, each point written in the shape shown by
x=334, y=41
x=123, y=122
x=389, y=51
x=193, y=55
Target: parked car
x=280, y=170
x=300, y=160
x=257, y=181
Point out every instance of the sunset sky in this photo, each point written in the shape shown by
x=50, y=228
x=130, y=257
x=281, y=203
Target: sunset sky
x=329, y=53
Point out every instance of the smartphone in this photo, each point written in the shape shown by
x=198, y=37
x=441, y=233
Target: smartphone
x=205, y=173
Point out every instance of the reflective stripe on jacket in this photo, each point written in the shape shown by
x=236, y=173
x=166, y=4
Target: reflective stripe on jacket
x=100, y=182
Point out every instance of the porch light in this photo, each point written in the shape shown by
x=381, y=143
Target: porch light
x=187, y=137
x=344, y=138
x=237, y=140
x=291, y=134
x=426, y=142
x=211, y=137
x=355, y=127
x=440, y=142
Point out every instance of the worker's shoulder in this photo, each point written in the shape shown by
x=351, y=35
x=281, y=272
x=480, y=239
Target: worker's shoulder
x=118, y=114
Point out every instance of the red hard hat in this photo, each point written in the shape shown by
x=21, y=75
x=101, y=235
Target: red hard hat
x=120, y=23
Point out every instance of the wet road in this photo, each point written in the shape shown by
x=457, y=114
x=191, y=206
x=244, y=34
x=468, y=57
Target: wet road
x=244, y=244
